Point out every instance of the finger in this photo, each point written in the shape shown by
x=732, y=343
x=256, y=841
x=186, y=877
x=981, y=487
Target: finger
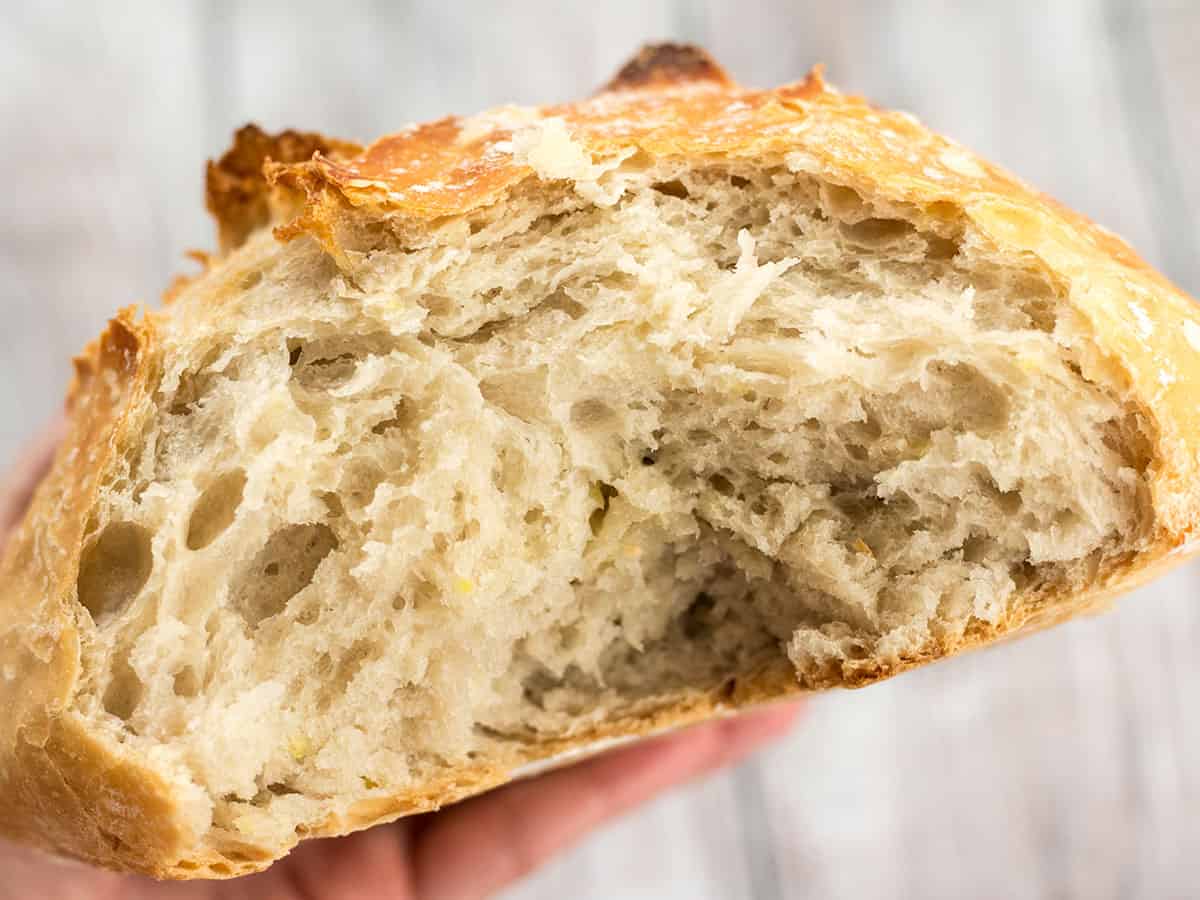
x=26, y=872
x=19, y=483
x=370, y=865
x=478, y=846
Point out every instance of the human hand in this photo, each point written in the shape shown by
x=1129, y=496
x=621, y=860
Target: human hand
x=465, y=851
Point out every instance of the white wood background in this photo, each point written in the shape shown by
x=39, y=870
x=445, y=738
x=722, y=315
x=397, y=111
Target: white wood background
x=1067, y=765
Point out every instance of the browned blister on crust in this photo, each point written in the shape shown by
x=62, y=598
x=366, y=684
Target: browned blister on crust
x=668, y=65
x=74, y=791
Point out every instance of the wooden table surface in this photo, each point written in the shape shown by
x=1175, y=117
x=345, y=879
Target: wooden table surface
x=1065, y=765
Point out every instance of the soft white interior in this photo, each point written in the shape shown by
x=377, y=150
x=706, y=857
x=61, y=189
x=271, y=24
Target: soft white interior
x=573, y=452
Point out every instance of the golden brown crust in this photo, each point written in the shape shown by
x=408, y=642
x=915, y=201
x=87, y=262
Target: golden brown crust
x=38, y=638
x=63, y=786
x=236, y=193
x=69, y=790
x=75, y=796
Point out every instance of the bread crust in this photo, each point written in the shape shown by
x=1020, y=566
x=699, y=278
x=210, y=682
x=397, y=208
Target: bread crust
x=235, y=191
x=64, y=788
x=78, y=792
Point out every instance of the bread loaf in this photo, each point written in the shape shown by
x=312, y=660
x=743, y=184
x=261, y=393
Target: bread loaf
x=507, y=434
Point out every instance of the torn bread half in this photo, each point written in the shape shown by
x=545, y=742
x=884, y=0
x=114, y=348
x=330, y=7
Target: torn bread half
x=511, y=433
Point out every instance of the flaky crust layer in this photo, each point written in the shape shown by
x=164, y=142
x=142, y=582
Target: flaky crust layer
x=77, y=792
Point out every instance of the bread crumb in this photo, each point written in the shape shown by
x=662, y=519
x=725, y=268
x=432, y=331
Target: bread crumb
x=299, y=747
x=550, y=151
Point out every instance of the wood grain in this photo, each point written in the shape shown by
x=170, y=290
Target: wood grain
x=1059, y=766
